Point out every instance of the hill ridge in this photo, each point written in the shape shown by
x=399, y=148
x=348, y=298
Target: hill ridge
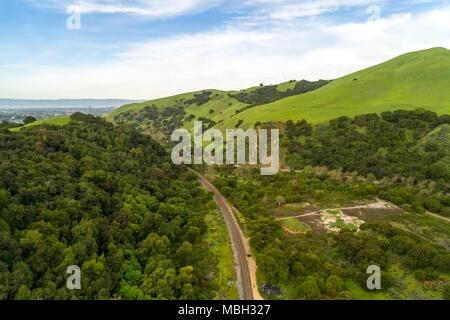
x=413, y=80
x=418, y=79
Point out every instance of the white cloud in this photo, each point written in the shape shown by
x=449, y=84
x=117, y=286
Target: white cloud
x=292, y=9
x=236, y=57
x=274, y=9
x=147, y=8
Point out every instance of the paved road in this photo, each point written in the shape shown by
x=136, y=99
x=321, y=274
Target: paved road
x=246, y=274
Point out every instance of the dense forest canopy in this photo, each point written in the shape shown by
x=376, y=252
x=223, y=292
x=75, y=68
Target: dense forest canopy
x=400, y=157
x=107, y=199
x=329, y=265
x=393, y=143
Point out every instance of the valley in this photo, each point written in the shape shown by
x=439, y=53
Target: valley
x=364, y=180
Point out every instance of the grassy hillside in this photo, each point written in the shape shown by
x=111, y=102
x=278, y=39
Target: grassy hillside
x=60, y=121
x=213, y=107
x=220, y=101
x=223, y=105
x=414, y=80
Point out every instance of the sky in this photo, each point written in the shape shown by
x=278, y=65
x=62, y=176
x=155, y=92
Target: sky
x=144, y=49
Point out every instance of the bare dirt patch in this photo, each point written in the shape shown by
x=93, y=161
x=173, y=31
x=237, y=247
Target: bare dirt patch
x=339, y=219
x=314, y=222
x=372, y=214
x=293, y=210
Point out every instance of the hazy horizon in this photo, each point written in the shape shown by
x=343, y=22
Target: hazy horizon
x=63, y=103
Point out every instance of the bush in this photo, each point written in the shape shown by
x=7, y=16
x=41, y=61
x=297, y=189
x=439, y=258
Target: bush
x=447, y=292
x=29, y=119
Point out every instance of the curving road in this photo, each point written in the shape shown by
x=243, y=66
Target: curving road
x=245, y=264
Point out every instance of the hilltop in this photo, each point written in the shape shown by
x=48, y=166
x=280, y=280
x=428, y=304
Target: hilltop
x=414, y=80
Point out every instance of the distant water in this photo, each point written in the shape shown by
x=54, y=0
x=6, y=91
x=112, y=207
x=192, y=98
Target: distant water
x=46, y=107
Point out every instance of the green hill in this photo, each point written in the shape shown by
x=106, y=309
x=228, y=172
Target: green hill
x=213, y=107
x=162, y=116
x=59, y=121
x=224, y=103
x=414, y=80
x=219, y=101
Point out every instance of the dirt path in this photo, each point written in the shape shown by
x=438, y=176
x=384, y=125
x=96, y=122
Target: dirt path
x=245, y=263
x=438, y=216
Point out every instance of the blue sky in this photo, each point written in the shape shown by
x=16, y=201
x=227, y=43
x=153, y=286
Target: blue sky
x=149, y=48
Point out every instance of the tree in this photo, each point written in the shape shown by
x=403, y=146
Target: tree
x=334, y=285
x=96, y=279
x=185, y=253
x=280, y=201
x=446, y=294
x=309, y=290
x=107, y=199
x=274, y=264
x=24, y=293
x=29, y=119
x=298, y=269
x=4, y=198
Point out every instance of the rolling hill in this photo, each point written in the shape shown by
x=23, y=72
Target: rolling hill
x=414, y=80
x=213, y=107
x=224, y=103
x=221, y=102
